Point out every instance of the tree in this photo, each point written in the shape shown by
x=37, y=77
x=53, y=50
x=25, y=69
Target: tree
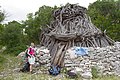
x=105, y=14
x=2, y=15
x=35, y=22
x=12, y=37
x=11, y=33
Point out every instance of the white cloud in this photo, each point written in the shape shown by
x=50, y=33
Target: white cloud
x=18, y=9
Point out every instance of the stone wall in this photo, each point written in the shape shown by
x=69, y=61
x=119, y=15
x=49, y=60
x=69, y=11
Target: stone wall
x=106, y=60
x=43, y=60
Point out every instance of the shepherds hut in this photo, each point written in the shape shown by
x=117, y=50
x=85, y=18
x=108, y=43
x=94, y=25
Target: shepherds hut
x=71, y=27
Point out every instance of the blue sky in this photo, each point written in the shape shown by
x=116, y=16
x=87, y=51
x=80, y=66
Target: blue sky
x=18, y=9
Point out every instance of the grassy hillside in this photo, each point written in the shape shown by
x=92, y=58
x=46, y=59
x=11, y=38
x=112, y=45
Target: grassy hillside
x=9, y=71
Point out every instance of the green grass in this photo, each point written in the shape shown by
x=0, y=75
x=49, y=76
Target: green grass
x=8, y=63
x=108, y=77
x=2, y=62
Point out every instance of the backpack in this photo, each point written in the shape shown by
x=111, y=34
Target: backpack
x=26, y=67
x=54, y=70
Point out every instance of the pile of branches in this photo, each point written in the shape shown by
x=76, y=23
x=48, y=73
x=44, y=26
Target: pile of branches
x=71, y=27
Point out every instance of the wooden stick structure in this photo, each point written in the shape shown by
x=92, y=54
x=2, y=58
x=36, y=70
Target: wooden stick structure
x=71, y=27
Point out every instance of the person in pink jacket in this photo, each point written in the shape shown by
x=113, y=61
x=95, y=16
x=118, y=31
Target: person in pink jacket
x=31, y=57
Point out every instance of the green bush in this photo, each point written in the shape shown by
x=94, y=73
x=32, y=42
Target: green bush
x=94, y=72
x=15, y=50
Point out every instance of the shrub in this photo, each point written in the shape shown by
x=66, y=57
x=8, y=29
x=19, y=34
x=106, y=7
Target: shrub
x=94, y=72
x=15, y=50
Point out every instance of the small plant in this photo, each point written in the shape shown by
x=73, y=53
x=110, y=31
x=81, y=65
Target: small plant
x=94, y=72
x=64, y=70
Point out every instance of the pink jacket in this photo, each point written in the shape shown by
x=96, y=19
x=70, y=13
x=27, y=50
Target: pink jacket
x=31, y=51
